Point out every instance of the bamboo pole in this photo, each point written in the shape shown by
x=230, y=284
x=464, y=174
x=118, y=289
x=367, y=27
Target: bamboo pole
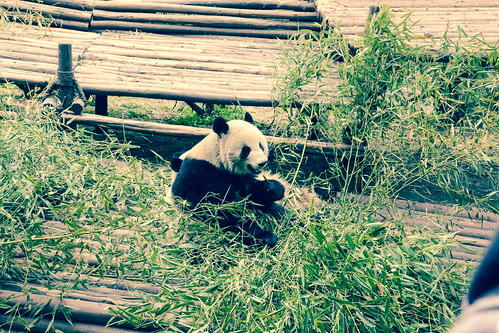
x=84, y=5
x=204, y=20
x=420, y=3
x=82, y=312
x=311, y=147
x=56, y=12
x=159, y=64
x=237, y=54
x=57, y=23
x=45, y=325
x=173, y=29
x=175, y=90
x=43, y=59
x=228, y=82
x=205, y=10
x=295, y=5
x=159, y=91
x=158, y=41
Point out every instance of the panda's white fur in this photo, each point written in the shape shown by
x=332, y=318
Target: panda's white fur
x=224, y=167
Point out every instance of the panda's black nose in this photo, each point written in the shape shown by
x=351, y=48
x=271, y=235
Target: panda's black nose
x=262, y=164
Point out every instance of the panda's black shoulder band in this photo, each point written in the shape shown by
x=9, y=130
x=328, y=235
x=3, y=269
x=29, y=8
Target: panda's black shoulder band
x=220, y=126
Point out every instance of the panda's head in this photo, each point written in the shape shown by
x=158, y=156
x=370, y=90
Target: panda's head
x=236, y=146
x=242, y=148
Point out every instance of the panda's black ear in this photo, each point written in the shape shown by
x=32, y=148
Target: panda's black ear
x=248, y=118
x=220, y=126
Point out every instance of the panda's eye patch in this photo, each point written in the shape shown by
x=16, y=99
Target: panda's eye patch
x=245, y=152
x=261, y=147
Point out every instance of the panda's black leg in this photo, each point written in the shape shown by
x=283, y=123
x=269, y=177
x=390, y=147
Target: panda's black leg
x=251, y=231
x=279, y=212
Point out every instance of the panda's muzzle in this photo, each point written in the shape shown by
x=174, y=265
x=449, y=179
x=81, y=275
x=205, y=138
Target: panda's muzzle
x=256, y=171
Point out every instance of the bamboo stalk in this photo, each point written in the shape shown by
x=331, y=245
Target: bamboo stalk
x=184, y=51
x=29, y=57
x=226, y=81
x=145, y=7
x=155, y=40
x=188, y=50
x=203, y=20
x=43, y=46
x=28, y=66
x=56, y=12
x=115, y=41
x=57, y=23
x=173, y=94
x=158, y=91
x=172, y=29
x=296, y=5
x=79, y=4
x=185, y=91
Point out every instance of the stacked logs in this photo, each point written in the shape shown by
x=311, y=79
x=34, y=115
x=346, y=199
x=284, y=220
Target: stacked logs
x=265, y=19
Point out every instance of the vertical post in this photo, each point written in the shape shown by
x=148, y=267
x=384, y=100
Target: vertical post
x=64, y=93
x=65, y=76
x=101, y=105
x=65, y=58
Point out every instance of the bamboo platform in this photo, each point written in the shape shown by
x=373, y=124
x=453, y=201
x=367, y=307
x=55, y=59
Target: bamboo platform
x=432, y=19
x=215, y=52
x=207, y=69
x=96, y=304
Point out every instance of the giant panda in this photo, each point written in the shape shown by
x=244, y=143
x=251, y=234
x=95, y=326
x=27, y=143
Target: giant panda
x=226, y=167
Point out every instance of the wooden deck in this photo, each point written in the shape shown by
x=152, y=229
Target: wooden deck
x=226, y=55
x=195, y=51
x=97, y=305
x=208, y=69
x=431, y=18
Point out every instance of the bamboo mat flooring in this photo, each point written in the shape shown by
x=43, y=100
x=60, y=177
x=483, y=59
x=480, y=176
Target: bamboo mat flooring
x=96, y=303
x=473, y=228
x=220, y=51
x=211, y=69
x=432, y=19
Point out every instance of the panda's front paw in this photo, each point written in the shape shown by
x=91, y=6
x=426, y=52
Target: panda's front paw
x=265, y=237
x=269, y=239
x=275, y=190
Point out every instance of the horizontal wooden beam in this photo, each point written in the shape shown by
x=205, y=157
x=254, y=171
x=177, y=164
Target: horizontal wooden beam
x=178, y=29
x=143, y=7
x=215, y=21
x=311, y=147
x=297, y=5
x=92, y=314
x=55, y=12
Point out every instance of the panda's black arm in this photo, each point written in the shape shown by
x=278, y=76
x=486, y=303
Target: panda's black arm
x=264, y=192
